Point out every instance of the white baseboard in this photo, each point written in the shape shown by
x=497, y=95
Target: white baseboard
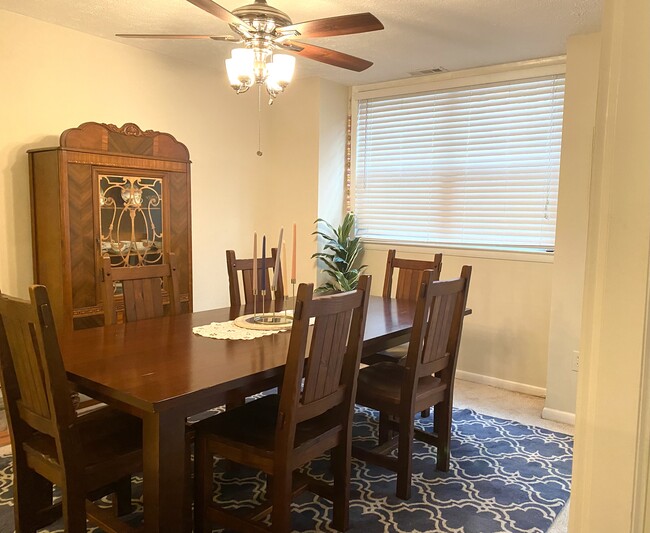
x=501, y=383
x=548, y=414
x=559, y=416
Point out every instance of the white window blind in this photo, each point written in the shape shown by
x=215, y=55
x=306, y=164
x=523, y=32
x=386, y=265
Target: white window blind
x=472, y=166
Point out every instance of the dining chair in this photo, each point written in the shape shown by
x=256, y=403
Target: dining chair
x=409, y=280
x=279, y=433
x=245, y=286
x=405, y=287
x=142, y=290
x=243, y=268
x=424, y=379
x=86, y=455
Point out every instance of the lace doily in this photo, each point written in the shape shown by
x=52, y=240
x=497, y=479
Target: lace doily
x=230, y=331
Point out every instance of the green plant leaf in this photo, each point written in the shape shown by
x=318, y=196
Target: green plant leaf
x=340, y=253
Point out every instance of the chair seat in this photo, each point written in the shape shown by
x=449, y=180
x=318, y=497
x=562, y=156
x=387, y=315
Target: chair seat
x=397, y=352
x=381, y=384
x=253, y=425
x=111, y=443
x=391, y=355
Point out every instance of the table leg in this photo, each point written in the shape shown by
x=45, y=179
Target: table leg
x=164, y=471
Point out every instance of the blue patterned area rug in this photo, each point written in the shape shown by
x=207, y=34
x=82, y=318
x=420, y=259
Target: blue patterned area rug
x=505, y=477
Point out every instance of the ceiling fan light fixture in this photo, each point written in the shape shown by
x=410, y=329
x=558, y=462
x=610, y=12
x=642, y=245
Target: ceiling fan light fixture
x=262, y=29
x=249, y=66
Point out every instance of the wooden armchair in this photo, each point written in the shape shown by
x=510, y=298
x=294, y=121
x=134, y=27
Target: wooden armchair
x=245, y=267
x=279, y=433
x=86, y=456
x=142, y=290
x=425, y=379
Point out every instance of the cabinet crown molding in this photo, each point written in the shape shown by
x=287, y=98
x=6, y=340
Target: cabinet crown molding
x=127, y=139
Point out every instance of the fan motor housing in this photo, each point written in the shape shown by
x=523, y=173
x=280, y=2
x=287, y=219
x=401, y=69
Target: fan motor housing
x=260, y=14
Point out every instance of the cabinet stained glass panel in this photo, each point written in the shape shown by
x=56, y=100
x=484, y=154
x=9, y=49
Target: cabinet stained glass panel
x=131, y=219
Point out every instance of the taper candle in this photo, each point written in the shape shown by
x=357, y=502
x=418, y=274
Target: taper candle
x=284, y=267
x=293, y=256
x=264, y=263
x=276, y=268
x=255, y=272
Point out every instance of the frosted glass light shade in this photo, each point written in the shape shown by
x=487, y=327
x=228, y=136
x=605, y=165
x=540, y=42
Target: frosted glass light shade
x=240, y=67
x=284, y=66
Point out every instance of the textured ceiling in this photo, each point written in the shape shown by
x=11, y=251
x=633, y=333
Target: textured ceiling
x=418, y=34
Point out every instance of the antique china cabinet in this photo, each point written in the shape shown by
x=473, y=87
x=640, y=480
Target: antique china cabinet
x=107, y=190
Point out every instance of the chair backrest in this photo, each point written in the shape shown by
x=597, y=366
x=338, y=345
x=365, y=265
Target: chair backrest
x=245, y=266
x=437, y=328
x=409, y=278
x=34, y=384
x=330, y=373
x=142, y=290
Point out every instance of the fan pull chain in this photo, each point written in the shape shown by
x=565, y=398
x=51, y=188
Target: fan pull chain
x=259, y=120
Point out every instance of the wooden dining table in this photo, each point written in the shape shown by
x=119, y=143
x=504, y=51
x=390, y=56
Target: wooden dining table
x=163, y=373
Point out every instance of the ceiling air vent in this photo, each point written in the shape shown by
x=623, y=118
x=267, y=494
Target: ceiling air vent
x=427, y=71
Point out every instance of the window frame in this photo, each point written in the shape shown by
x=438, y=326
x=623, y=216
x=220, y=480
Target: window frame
x=452, y=80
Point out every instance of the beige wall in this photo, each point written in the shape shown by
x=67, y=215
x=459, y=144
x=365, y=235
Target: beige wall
x=583, y=53
x=333, y=136
x=306, y=137
x=609, y=451
x=57, y=78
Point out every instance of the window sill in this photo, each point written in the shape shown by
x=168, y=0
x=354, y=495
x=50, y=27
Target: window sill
x=532, y=256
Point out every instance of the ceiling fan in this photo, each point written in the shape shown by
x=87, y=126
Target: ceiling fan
x=263, y=29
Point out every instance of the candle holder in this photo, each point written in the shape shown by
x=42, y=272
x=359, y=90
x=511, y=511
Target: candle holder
x=271, y=319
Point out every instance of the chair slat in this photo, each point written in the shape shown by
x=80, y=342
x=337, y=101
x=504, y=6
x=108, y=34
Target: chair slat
x=27, y=367
x=142, y=290
x=320, y=339
x=327, y=357
x=325, y=363
x=435, y=346
x=341, y=333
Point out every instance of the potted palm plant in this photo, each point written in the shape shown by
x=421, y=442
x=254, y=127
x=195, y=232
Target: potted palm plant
x=341, y=252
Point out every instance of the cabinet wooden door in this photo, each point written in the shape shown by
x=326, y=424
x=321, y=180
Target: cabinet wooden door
x=110, y=191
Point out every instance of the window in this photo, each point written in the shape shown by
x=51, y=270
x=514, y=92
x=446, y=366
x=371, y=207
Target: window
x=473, y=166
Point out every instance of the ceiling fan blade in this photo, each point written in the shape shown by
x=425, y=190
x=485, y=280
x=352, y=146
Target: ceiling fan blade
x=342, y=25
x=176, y=36
x=221, y=12
x=326, y=55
